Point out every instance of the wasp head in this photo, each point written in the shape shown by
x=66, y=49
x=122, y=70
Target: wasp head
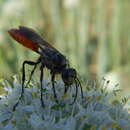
x=69, y=76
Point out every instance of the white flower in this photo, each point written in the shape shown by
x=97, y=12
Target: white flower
x=30, y=115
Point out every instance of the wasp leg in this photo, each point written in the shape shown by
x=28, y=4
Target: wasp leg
x=23, y=80
x=32, y=72
x=41, y=81
x=53, y=85
x=76, y=85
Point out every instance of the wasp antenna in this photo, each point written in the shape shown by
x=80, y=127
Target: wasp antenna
x=80, y=88
x=76, y=85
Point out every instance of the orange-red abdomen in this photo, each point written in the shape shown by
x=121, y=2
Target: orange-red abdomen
x=22, y=39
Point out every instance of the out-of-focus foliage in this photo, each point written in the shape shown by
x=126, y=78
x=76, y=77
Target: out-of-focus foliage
x=94, y=35
x=94, y=112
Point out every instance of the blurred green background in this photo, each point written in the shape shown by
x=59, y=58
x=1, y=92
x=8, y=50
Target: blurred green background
x=93, y=34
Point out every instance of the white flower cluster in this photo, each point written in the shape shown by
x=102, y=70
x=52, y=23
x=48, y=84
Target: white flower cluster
x=93, y=112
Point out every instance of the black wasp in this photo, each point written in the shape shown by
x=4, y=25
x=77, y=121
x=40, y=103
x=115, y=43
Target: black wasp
x=50, y=58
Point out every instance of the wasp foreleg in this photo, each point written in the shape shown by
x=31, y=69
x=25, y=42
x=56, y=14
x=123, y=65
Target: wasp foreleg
x=53, y=86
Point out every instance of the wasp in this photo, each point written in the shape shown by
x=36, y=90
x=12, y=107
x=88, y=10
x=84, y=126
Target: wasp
x=49, y=57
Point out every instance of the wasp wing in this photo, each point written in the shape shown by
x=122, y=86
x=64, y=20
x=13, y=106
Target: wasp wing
x=30, y=39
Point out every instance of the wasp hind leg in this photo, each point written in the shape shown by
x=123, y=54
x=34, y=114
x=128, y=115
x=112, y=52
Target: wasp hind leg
x=30, y=77
x=23, y=78
x=41, y=81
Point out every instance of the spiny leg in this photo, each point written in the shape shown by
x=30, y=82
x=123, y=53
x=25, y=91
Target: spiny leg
x=41, y=81
x=53, y=85
x=23, y=80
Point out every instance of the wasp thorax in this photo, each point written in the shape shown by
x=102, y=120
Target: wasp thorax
x=69, y=76
x=60, y=61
